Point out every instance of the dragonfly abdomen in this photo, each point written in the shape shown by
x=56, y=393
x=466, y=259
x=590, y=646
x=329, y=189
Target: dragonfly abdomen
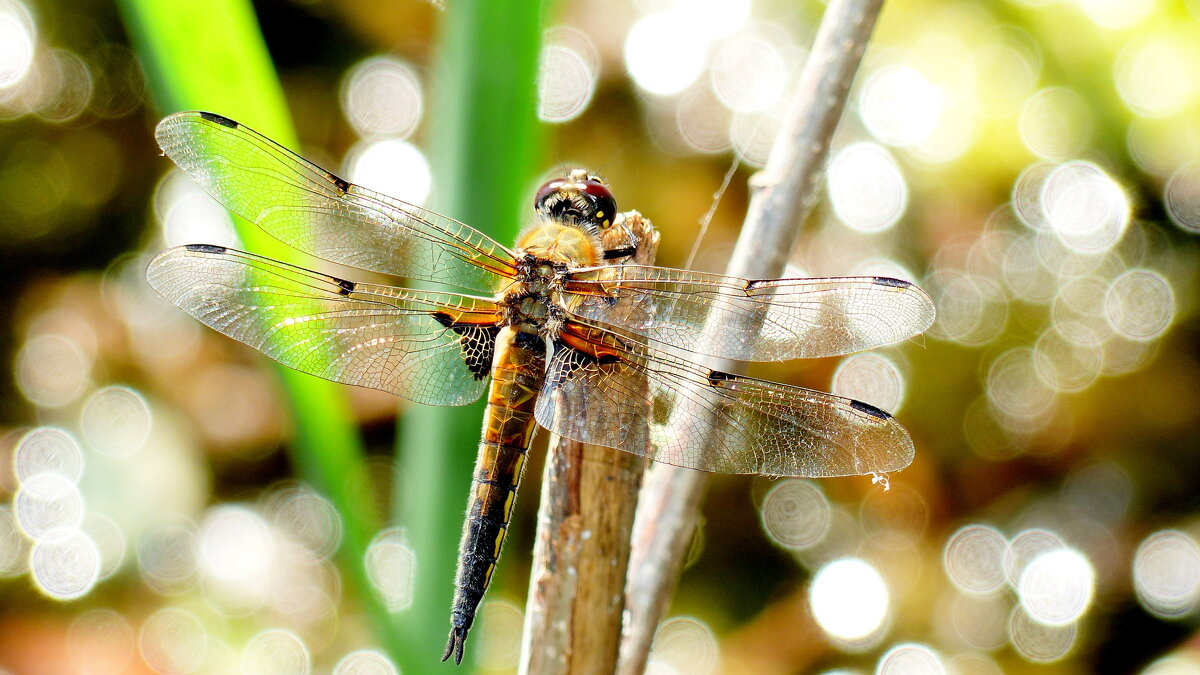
x=508, y=426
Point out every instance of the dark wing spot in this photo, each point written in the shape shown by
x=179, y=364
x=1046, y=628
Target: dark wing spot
x=478, y=344
x=219, y=119
x=869, y=409
x=206, y=248
x=759, y=283
x=345, y=287
x=608, y=358
x=478, y=348
x=342, y=184
x=895, y=283
x=716, y=378
x=614, y=253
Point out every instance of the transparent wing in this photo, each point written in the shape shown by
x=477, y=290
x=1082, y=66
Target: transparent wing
x=428, y=347
x=313, y=210
x=764, y=320
x=623, y=395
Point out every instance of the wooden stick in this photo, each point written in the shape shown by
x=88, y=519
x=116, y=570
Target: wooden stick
x=589, y=496
x=782, y=195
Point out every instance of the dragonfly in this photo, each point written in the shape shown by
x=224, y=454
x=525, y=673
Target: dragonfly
x=559, y=331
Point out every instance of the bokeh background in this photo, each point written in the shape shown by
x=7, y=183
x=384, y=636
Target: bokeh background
x=1033, y=164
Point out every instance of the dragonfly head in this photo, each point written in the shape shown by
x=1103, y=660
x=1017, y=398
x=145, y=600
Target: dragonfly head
x=579, y=199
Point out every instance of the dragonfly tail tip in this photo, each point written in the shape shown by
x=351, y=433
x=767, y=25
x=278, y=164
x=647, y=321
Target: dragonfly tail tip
x=458, y=639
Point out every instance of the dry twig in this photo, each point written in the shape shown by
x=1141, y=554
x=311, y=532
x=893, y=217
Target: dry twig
x=589, y=496
x=782, y=196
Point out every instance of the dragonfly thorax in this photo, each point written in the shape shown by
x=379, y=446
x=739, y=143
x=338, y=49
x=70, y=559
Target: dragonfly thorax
x=530, y=302
x=547, y=251
x=558, y=243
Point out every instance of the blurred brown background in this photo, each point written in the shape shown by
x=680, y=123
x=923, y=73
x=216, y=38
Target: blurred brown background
x=1033, y=164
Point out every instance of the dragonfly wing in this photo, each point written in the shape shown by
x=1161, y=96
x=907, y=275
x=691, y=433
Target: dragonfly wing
x=428, y=347
x=317, y=212
x=616, y=393
x=763, y=320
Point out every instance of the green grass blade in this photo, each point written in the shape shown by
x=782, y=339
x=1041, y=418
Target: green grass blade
x=484, y=149
x=210, y=55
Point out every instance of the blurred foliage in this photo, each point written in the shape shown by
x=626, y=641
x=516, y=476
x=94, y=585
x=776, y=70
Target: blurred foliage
x=1032, y=164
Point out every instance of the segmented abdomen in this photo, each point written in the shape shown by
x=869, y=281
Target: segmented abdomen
x=508, y=425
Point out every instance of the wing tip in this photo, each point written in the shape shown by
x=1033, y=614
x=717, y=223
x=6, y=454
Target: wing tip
x=924, y=303
x=899, y=451
x=167, y=263
x=157, y=271
x=165, y=128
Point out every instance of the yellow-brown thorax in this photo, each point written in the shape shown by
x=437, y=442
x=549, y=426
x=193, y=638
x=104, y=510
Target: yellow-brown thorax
x=532, y=300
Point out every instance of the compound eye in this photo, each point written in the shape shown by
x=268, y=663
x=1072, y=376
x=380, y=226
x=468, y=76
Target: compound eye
x=548, y=188
x=602, y=197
